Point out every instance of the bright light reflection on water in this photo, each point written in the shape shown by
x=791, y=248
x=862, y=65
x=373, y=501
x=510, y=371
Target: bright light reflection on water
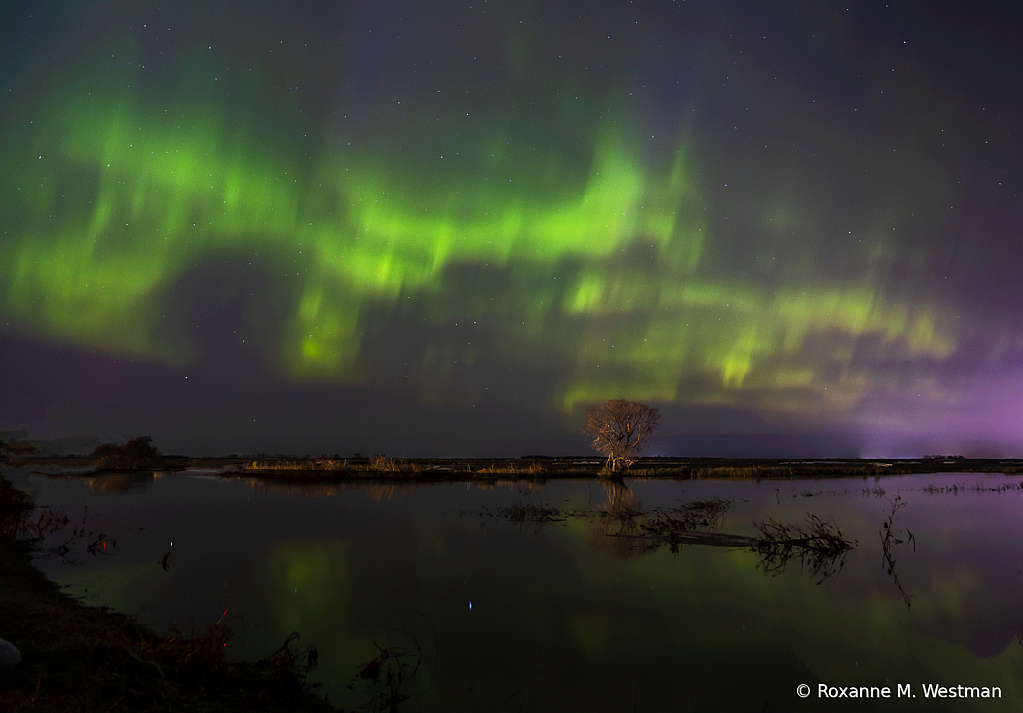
x=491, y=615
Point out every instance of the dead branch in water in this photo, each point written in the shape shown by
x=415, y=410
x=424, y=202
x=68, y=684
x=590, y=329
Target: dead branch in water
x=384, y=677
x=819, y=546
x=888, y=541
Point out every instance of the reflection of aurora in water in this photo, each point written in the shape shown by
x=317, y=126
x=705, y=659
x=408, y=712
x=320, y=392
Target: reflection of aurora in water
x=607, y=276
x=592, y=614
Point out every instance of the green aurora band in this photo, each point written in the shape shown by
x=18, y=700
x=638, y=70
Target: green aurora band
x=603, y=269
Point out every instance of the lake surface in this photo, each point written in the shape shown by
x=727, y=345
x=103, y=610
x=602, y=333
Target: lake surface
x=479, y=613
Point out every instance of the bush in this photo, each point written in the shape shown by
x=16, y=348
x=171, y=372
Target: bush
x=133, y=452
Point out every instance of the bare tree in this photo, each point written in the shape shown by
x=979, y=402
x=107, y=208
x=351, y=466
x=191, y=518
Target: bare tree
x=619, y=428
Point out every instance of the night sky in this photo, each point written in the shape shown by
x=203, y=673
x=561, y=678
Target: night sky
x=447, y=228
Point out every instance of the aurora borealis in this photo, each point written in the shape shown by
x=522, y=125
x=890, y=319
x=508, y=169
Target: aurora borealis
x=448, y=227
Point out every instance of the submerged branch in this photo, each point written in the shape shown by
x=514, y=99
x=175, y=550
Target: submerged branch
x=819, y=546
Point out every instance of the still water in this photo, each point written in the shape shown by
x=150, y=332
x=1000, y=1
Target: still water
x=480, y=613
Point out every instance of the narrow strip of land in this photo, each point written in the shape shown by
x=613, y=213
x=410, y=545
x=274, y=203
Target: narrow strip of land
x=338, y=468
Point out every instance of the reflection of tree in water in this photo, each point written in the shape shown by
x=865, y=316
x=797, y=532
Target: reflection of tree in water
x=615, y=525
x=623, y=528
x=611, y=519
x=379, y=492
x=310, y=490
x=116, y=483
x=620, y=511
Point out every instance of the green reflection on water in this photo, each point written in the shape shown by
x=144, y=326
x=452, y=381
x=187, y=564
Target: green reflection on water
x=311, y=584
x=563, y=617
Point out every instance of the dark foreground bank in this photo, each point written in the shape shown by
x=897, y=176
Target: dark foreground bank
x=79, y=659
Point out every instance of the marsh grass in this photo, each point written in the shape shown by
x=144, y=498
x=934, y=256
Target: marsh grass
x=530, y=512
x=306, y=467
x=680, y=472
x=1002, y=488
x=328, y=464
x=542, y=467
x=957, y=488
x=526, y=513
x=532, y=468
x=388, y=468
x=696, y=515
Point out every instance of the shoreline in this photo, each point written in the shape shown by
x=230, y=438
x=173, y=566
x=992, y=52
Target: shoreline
x=529, y=468
x=77, y=658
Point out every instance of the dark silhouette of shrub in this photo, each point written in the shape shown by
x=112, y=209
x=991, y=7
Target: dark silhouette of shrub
x=106, y=450
x=133, y=453
x=17, y=449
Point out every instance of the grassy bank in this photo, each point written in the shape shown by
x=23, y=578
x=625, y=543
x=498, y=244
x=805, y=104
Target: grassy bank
x=336, y=469
x=80, y=659
x=381, y=467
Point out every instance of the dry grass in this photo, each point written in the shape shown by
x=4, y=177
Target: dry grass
x=379, y=464
x=530, y=467
x=300, y=464
x=681, y=472
x=533, y=468
x=387, y=467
